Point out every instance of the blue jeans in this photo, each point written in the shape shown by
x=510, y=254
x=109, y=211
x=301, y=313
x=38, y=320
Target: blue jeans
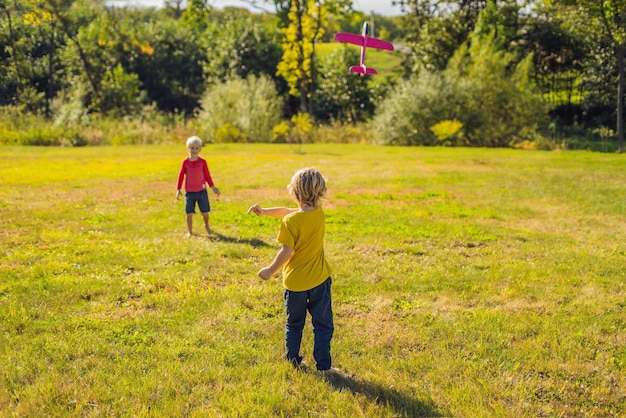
x=318, y=302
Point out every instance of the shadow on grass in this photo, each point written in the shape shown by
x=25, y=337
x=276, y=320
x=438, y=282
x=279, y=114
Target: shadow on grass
x=254, y=242
x=402, y=404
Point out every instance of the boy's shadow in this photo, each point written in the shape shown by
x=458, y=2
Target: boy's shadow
x=254, y=242
x=403, y=405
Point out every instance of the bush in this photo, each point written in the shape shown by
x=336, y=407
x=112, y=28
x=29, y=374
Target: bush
x=494, y=103
x=76, y=129
x=337, y=133
x=406, y=116
x=340, y=94
x=240, y=110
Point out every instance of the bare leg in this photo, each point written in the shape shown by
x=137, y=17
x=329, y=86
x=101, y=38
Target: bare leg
x=205, y=216
x=190, y=223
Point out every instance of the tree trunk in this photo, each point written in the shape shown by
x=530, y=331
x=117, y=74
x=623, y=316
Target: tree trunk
x=50, y=92
x=302, y=86
x=312, y=83
x=620, y=97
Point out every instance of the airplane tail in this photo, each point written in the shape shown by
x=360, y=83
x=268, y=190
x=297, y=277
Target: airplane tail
x=362, y=70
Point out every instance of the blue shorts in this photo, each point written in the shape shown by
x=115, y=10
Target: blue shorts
x=202, y=198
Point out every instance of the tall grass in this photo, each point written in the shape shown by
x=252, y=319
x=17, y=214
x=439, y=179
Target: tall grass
x=18, y=128
x=467, y=282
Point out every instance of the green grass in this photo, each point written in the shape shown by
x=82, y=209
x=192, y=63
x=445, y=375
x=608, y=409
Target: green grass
x=467, y=282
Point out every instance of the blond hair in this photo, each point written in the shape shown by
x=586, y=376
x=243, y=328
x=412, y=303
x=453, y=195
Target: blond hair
x=193, y=140
x=308, y=186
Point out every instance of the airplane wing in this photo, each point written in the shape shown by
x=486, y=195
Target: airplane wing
x=379, y=44
x=349, y=38
x=359, y=40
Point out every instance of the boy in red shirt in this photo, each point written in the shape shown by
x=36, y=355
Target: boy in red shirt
x=196, y=173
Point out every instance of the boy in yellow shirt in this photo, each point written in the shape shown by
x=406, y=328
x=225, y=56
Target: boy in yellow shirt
x=306, y=273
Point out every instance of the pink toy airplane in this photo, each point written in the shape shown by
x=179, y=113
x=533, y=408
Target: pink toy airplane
x=364, y=41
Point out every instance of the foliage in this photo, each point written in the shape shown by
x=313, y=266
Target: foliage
x=305, y=27
x=558, y=49
x=59, y=56
x=196, y=14
x=297, y=131
x=447, y=129
x=340, y=94
x=170, y=65
x=240, y=47
x=119, y=94
x=496, y=106
x=73, y=127
x=434, y=44
x=411, y=108
x=435, y=29
x=244, y=110
x=337, y=133
x=609, y=19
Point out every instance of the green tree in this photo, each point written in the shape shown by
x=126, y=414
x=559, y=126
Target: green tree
x=197, y=14
x=502, y=105
x=610, y=17
x=75, y=20
x=435, y=29
x=28, y=63
x=119, y=94
x=559, y=52
x=487, y=98
x=238, y=47
x=169, y=63
x=299, y=37
x=339, y=94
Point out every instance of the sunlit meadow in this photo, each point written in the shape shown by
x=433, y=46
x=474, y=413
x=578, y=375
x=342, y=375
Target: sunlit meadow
x=467, y=283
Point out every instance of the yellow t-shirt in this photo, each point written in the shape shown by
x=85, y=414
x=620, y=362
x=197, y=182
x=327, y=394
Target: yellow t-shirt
x=307, y=267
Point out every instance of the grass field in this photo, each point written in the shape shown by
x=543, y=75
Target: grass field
x=467, y=283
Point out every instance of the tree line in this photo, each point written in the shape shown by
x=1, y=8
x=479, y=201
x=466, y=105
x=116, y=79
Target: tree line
x=474, y=72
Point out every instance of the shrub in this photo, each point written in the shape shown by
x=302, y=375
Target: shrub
x=447, y=130
x=411, y=108
x=340, y=94
x=248, y=106
x=337, y=133
x=495, y=103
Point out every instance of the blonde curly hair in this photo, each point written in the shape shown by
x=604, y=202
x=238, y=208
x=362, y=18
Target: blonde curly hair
x=308, y=186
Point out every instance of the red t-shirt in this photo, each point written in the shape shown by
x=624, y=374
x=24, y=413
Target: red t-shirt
x=196, y=174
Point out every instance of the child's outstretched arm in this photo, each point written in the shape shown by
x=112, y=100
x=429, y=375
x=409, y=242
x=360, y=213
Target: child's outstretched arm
x=274, y=212
x=281, y=258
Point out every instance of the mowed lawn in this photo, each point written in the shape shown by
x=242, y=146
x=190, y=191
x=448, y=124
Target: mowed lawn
x=467, y=283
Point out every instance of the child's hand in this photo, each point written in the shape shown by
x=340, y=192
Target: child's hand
x=178, y=194
x=265, y=273
x=256, y=209
x=216, y=191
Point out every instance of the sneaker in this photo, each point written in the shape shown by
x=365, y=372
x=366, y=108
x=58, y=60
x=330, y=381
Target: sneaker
x=302, y=366
x=330, y=372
